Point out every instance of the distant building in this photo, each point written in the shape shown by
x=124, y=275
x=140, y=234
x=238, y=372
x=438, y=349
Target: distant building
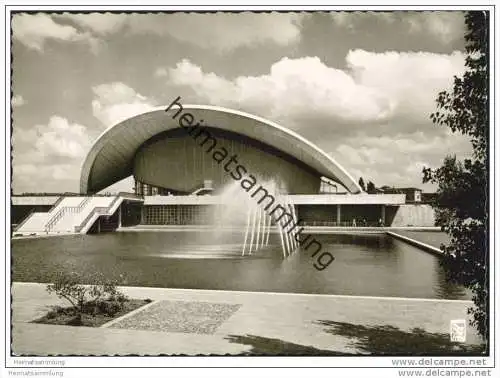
x=412, y=194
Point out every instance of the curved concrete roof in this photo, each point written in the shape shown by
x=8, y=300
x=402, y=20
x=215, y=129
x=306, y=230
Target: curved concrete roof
x=111, y=157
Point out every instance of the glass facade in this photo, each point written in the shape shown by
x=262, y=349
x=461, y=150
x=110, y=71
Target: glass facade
x=143, y=189
x=177, y=215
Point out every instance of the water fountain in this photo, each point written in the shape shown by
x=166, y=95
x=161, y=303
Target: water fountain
x=259, y=221
x=234, y=211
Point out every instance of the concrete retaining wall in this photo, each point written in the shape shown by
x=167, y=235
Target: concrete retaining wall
x=420, y=215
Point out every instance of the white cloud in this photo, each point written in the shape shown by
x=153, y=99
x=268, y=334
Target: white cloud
x=49, y=155
x=352, y=19
x=52, y=172
x=223, y=31
x=343, y=19
x=217, y=31
x=62, y=139
x=376, y=86
x=33, y=30
x=397, y=160
x=161, y=72
x=442, y=25
x=54, y=178
x=17, y=101
x=411, y=80
x=115, y=102
x=351, y=154
x=293, y=87
x=99, y=23
x=376, y=111
x=446, y=26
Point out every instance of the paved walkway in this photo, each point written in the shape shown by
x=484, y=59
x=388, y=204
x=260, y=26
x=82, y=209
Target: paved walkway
x=288, y=317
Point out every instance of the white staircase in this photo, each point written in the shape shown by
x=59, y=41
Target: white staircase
x=71, y=215
x=87, y=222
x=34, y=224
x=60, y=219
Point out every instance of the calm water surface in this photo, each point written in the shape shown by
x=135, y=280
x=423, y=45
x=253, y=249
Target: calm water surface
x=369, y=264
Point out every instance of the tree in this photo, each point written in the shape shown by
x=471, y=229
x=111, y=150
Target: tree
x=370, y=188
x=101, y=294
x=461, y=200
x=362, y=184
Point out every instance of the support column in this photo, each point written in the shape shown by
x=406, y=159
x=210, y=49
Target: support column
x=120, y=215
x=338, y=215
x=383, y=215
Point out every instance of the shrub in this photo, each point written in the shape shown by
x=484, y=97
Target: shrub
x=121, y=298
x=66, y=286
x=462, y=201
x=52, y=314
x=76, y=321
x=100, y=297
x=110, y=308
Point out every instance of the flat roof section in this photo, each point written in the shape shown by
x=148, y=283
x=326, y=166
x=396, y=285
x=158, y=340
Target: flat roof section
x=34, y=200
x=298, y=199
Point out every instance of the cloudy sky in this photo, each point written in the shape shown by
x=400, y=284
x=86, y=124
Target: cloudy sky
x=359, y=85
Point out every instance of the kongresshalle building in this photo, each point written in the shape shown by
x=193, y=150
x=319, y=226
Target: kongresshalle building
x=182, y=158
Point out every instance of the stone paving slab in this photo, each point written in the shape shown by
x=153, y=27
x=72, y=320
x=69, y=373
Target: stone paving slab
x=180, y=316
x=289, y=317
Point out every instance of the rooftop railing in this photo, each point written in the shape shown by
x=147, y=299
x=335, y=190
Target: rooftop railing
x=341, y=224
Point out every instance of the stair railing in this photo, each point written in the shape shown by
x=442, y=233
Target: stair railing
x=100, y=210
x=54, y=206
x=65, y=210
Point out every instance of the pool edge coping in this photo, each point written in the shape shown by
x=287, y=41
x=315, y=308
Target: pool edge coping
x=207, y=291
x=416, y=243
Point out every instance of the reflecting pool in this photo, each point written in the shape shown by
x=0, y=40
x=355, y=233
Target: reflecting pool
x=365, y=264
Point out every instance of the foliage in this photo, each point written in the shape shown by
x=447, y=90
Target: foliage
x=100, y=297
x=370, y=188
x=93, y=316
x=461, y=202
x=362, y=184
